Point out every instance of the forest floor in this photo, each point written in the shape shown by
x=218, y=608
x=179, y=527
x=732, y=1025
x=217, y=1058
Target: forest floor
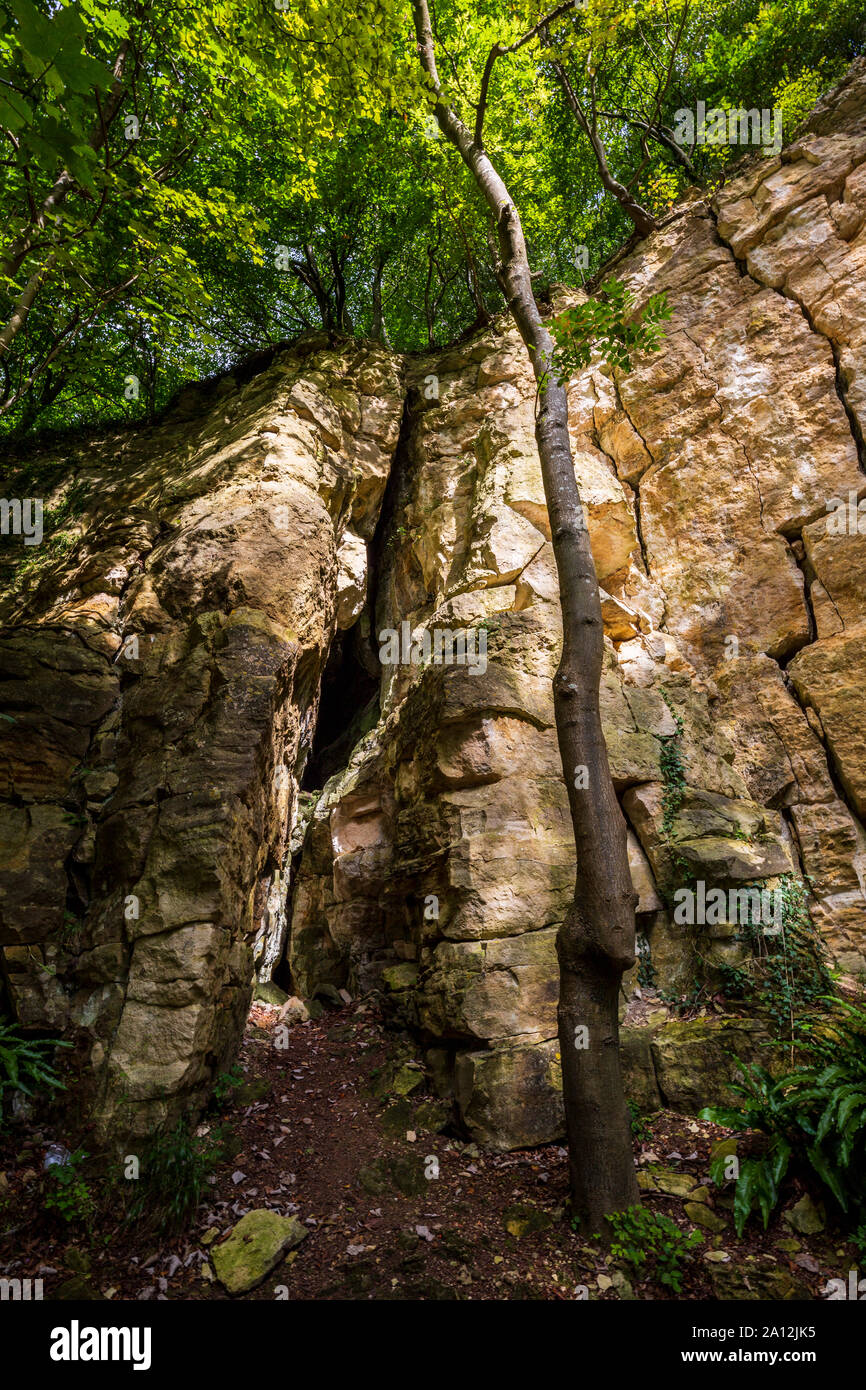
x=320, y=1130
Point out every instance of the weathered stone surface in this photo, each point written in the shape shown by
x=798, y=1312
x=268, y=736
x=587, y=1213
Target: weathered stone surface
x=668, y=1181
x=351, y=579
x=705, y=1216
x=161, y=675
x=742, y=391
x=511, y=1097
x=757, y=1278
x=804, y=1216
x=828, y=676
x=712, y=837
x=693, y=1063
x=778, y=754
x=490, y=989
x=254, y=1247
x=639, y=1073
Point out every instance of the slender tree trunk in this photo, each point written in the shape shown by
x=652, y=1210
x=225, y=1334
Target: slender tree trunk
x=18, y=317
x=342, y=317
x=379, y=332
x=428, y=291
x=596, y=942
x=34, y=408
x=663, y=136
x=308, y=274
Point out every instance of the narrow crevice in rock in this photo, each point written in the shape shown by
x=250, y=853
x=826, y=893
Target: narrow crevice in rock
x=348, y=704
x=633, y=491
x=397, y=489
x=795, y=547
x=785, y=293
x=856, y=431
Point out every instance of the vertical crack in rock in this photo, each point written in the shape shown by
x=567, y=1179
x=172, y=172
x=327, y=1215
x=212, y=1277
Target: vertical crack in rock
x=801, y=243
x=634, y=491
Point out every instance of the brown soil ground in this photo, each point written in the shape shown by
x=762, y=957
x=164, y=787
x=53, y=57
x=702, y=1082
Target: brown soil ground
x=318, y=1145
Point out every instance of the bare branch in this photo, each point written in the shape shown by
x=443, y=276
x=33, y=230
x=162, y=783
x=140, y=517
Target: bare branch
x=500, y=50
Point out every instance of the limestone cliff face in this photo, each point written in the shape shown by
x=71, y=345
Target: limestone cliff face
x=164, y=671
x=161, y=675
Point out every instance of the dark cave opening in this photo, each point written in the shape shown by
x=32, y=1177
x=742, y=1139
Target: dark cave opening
x=348, y=705
x=349, y=701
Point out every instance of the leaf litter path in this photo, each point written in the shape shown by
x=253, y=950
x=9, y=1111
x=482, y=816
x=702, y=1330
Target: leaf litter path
x=331, y=1129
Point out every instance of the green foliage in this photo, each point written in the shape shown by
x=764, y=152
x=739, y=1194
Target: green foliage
x=858, y=1240
x=155, y=151
x=70, y=928
x=687, y=1003
x=174, y=1174
x=287, y=175
x=609, y=326
x=226, y=1082
x=68, y=1194
x=672, y=770
x=795, y=98
x=750, y=46
x=814, y=1117
x=646, y=974
x=788, y=973
x=26, y=1064
x=640, y=1130
x=59, y=537
x=647, y=1238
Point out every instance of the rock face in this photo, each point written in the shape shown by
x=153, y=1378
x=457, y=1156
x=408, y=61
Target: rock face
x=156, y=840
x=439, y=863
x=160, y=674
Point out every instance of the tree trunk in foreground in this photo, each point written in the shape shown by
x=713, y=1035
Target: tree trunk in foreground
x=596, y=942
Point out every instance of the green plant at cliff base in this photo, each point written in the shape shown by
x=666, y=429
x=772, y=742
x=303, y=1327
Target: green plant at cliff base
x=689, y=1002
x=68, y=1194
x=645, y=1237
x=814, y=1119
x=640, y=1130
x=646, y=973
x=788, y=974
x=226, y=1082
x=26, y=1064
x=174, y=1173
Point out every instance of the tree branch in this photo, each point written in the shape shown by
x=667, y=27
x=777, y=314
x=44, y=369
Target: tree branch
x=499, y=50
x=643, y=220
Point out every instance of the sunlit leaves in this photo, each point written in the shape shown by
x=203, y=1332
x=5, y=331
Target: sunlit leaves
x=609, y=327
x=309, y=124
